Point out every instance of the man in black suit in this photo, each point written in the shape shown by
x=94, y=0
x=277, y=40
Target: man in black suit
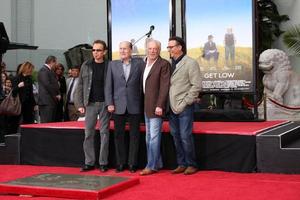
x=48, y=90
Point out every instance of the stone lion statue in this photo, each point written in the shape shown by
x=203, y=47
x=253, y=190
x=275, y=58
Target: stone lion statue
x=280, y=82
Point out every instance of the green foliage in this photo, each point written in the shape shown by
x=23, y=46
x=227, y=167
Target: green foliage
x=269, y=21
x=268, y=26
x=34, y=76
x=291, y=38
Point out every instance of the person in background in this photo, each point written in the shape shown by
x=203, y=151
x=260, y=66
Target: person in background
x=124, y=99
x=90, y=100
x=156, y=81
x=23, y=86
x=8, y=124
x=72, y=114
x=59, y=71
x=3, y=78
x=49, y=94
x=7, y=87
x=3, y=67
x=18, y=68
x=36, y=98
x=185, y=85
x=2, y=96
x=69, y=75
x=2, y=70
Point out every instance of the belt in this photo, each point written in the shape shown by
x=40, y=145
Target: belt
x=71, y=103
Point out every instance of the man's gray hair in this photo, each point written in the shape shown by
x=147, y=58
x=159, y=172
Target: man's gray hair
x=158, y=44
x=50, y=59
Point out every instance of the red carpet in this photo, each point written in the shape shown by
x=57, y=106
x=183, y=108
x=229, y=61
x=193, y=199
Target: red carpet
x=236, y=128
x=205, y=185
x=68, y=185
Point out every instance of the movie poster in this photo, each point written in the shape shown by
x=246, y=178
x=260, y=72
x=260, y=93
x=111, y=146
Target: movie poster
x=132, y=19
x=219, y=36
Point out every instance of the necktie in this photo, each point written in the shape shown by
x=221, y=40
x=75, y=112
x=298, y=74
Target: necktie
x=70, y=90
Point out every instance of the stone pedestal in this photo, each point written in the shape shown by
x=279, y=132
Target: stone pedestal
x=278, y=112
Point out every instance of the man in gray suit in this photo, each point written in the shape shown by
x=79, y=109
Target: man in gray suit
x=90, y=100
x=48, y=90
x=123, y=98
x=185, y=85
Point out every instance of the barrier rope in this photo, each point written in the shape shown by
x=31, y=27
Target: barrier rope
x=284, y=106
x=249, y=104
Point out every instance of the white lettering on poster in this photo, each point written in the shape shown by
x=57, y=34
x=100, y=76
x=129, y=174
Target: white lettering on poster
x=213, y=75
x=226, y=84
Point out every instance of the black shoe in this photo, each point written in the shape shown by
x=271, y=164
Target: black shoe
x=103, y=168
x=132, y=168
x=86, y=168
x=120, y=168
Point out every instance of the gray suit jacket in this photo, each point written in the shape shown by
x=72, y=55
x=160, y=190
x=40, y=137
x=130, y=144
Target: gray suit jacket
x=83, y=88
x=48, y=87
x=185, y=84
x=124, y=95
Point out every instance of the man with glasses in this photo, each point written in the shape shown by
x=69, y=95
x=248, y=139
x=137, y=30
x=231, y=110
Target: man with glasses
x=90, y=100
x=185, y=85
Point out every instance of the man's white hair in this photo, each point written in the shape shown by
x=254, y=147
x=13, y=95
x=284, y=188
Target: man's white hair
x=158, y=44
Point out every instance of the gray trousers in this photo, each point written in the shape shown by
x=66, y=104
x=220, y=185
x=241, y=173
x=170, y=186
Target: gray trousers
x=92, y=112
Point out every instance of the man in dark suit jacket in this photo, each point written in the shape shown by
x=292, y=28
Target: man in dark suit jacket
x=123, y=98
x=48, y=90
x=156, y=81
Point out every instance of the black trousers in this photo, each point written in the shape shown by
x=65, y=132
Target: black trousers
x=27, y=113
x=119, y=138
x=47, y=113
x=8, y=125
x=2, y=131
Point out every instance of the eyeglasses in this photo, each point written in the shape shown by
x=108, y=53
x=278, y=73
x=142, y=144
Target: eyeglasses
x=98, y=50
x=171, y=47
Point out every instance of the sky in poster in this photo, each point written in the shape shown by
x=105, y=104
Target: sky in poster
x=205, y=17
x=132, y=19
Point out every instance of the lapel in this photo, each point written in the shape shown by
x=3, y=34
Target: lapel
x=50, y=71
x=47, y=68
x=105, y=68
x=179, y=65
x=120, y=69
x=154, y=66
x=133, y=68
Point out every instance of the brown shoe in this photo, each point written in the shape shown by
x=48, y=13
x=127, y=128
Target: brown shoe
x=190, y=170
x=178, y=170
x=147, y=171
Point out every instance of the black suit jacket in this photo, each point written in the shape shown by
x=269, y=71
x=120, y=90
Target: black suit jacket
x=48, y=87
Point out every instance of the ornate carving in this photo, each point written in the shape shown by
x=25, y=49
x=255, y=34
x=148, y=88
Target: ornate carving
x=280, y=82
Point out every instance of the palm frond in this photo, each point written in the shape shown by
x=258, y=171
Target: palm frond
x=291, y=38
